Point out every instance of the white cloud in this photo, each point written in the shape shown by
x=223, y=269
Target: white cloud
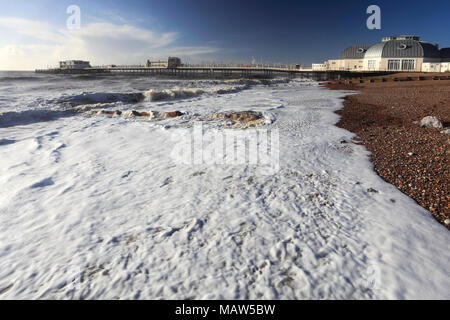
x=36, y=29
x=101, y=43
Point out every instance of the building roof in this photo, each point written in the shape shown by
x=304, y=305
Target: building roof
x=74, y=61
x=355, y=52
x=393, y=47
x=375, y=51
x=409, y=49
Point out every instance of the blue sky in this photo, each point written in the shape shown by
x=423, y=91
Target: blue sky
x=34, y=33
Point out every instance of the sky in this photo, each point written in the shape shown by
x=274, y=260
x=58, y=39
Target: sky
x=34, y=34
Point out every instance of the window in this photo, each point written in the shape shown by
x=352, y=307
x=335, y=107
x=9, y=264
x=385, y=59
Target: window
x=408, y=65
x=393, y=64
x=372, y=64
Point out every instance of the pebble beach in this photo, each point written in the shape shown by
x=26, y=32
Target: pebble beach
x=386, y=117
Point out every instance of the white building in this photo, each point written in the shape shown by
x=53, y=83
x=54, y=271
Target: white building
x=74, y=64
x=396, y=53
x=172, y=62
x=319, y=66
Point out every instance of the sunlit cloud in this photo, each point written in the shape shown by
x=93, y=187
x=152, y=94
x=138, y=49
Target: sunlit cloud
x=101, y=43
x=36, y=29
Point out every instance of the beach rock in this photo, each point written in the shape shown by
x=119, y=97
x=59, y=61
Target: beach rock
x=244, y=116
x=431, y=122
x=131, y=114
x=174, y=114
x=218, y=116
x=446, y=131
x=372, y=190
x=146, y=114
x=106, y=112
x=166, y=115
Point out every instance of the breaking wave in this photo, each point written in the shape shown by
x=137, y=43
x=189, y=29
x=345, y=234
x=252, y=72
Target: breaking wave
x=166, y=94
x=19, y=118
x=93, y=100
x=101, y=98
x=184, y=93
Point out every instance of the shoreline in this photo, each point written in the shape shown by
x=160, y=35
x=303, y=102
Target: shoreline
x=384, y=116
x=130, y=209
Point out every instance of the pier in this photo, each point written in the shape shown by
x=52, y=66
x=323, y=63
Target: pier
x=219, y=72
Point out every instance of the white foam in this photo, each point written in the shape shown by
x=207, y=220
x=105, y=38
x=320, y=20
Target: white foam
x=177, y=93
x=97, y=208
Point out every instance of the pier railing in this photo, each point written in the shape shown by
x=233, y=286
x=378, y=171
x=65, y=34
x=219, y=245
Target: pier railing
x=203, y=66
x=218, y=71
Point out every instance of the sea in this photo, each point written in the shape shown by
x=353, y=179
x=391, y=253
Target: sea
x=135, y=187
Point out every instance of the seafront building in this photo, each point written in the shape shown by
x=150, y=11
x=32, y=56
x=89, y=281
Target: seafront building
x=74, y=64
x=392, y=54
x=395, y=53
x=172, y=62
x=319, y=66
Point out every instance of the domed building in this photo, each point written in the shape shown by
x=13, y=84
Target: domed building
x=396, y=53
x=401, y=53
x=352, y=58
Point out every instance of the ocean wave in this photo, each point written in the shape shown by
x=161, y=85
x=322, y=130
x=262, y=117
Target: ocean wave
x=102, y=98
x=22, y=78
x=85, y=100
x=90, y=76
x=185, y=93
x=254, y=82
x=95, y=106
x=18, y=118
x=177, y=93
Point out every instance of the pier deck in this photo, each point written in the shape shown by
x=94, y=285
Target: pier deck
x=218, y=72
